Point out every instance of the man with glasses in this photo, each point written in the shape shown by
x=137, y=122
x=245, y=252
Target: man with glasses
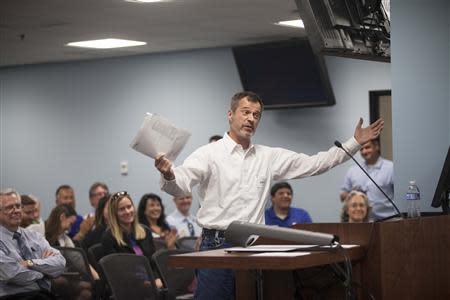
x=27, y=260
x=182, y=220
x=234, y=178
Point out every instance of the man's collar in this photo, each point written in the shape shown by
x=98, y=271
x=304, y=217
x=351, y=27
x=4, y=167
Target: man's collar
x=5, y=231
x=231, y=145
x=376, y=165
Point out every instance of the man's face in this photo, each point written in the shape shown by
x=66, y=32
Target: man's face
x=30, y=213
x=66, y=196
x=370, y=152
x=244, y=120
x=282, y=198
x=10, y=212
x=96, y=195
x=183, y=204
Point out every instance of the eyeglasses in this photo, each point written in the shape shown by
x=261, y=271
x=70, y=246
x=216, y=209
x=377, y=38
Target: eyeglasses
x=8, y=209
x=118, y=195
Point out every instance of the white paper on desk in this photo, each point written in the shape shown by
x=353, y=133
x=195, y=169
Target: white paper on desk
x=281, y=254
x=269, y=248
x=157, y=136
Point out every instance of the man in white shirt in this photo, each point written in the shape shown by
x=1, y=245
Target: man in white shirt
x=234, y=178
x=182, y=220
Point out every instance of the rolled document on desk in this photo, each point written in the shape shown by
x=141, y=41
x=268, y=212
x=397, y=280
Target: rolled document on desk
x=245, y=234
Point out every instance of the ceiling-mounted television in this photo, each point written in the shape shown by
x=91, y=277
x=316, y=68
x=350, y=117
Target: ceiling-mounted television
x=286, y=74
x=350, y=28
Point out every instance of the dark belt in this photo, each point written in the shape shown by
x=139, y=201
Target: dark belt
x=213, y=233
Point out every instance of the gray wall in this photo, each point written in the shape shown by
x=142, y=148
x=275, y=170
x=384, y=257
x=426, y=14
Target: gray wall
x=420, y=91
x=72, y=123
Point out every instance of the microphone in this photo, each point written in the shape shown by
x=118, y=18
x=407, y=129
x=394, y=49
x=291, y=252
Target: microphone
x=339, y=145
x=244, y=234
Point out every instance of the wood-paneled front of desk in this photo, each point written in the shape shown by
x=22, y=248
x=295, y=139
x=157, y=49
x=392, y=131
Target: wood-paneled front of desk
x=402, y=259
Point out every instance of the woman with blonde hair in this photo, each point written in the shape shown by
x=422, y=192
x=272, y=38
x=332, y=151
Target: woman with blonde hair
x=356, y=208
x=125, y=234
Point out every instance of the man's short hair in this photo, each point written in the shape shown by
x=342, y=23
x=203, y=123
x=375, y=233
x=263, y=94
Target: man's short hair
x=63, y=187
x=252, y=97
x=215, y=138
x=95, y=185
x=278, y=186
x=27, y=200
x=8, y=192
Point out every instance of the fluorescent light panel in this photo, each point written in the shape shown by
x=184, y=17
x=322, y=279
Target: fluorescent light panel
x=298, y=23
x=144, y=1
x=106, y=44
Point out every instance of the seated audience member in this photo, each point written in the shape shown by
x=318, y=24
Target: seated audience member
x=27, y=259
x=30, y=211
x=61, y=218
x=151, y=214
x=59, y=221
x=97, y=191
x=65, y=195
x=94, y=236
x=125, y=234
x=182, y=220
x=281, y=213
x=215, y=138
x=356, y=208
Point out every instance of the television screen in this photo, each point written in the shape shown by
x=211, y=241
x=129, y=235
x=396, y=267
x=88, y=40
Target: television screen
x=285, y=74
x=349, y=28
x=442, y=193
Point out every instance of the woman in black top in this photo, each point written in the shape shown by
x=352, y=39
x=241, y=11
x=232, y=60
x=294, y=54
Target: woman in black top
x=94, y=236
x=151, y=214
x=125, y=234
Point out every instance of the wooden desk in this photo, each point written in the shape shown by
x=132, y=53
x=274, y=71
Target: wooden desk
x=402, y=259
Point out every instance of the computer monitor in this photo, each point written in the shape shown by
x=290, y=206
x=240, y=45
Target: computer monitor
x=442, y=193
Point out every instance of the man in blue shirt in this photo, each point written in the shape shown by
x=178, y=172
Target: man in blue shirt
x=281, y=213
x=65, y=195
x=382, y=171
x=27, y=260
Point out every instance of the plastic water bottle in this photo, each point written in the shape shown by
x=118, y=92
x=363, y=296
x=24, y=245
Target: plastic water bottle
x=413, y=200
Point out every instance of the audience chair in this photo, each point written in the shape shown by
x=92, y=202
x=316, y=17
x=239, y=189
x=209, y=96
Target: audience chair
x=129, y=277
x=177, y=280
x=76, y=282
x=159, y=244
x=186, y=243
x=95, y=253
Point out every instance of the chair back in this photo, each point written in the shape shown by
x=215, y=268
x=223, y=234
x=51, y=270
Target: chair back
x=186, y=243
x=129, y=276
x=95, y=253
x=76, y=262
x=177, y=279
x=159, y=244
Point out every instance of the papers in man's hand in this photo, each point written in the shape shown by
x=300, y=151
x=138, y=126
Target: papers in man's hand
x=159, y=136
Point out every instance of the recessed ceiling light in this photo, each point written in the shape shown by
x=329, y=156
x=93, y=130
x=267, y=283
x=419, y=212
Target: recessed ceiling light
x=298, y=23
x=106, y=44
x=144, y=1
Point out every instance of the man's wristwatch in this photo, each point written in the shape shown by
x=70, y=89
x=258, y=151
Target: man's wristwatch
x=29, y=262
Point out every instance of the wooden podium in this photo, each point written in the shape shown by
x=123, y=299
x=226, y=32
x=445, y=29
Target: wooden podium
x=401, y=259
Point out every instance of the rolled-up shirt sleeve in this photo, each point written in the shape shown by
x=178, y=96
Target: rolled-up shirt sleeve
x=289, y=164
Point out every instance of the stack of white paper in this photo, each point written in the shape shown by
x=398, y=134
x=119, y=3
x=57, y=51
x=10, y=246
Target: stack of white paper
x=159, y=136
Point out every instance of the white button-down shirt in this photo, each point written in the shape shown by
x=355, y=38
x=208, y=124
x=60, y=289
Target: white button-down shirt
x=235, y=183
x=180, y=222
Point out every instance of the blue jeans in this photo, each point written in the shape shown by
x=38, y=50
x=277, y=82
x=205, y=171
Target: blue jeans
x=214, y=284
